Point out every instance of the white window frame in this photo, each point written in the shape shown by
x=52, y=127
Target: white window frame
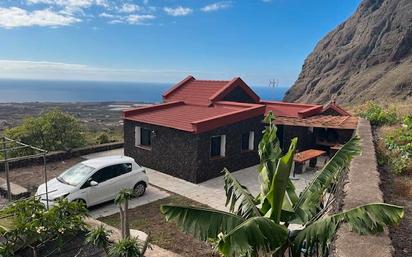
x=137, y=136
x=222, y=145
x=251, y=140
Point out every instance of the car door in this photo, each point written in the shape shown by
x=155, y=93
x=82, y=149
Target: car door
x=124, y=177
x=106, y=189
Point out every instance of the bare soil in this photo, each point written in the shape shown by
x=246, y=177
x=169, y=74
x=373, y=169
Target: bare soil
x=149, y=219
x=397, y=190
x=32, y=176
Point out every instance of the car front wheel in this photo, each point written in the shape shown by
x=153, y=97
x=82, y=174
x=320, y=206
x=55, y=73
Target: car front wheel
x=139, y=189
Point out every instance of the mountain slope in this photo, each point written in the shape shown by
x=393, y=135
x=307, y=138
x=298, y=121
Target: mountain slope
x=369, y=56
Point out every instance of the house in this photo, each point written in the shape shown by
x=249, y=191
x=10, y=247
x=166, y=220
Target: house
x=203, y=126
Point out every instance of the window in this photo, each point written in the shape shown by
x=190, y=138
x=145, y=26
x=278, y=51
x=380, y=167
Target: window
x=143, y=137
x=105, y=174
x=109, y=172
x=247, y=142
x=122, y=169
x=218, y=146
x=75, y=174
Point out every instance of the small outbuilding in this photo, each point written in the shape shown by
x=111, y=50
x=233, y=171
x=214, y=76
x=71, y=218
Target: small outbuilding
x=203, y=126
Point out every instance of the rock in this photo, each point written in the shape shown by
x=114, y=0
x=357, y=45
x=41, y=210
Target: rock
x=368, y=57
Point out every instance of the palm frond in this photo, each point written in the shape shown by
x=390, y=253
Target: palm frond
x=202, y=223
x=257, y=234
x=238, y=196
x=365, y=219
x=310, y=199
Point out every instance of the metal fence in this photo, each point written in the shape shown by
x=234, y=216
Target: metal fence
x=11, y=149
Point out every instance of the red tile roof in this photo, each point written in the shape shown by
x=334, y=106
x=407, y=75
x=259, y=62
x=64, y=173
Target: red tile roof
x=204, y=92
x=196, y=106
x=284, y=109
x=194, y=118
x=320, y=121
x=336, y=108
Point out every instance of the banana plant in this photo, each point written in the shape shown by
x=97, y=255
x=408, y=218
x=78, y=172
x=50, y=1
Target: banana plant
x=261, y=225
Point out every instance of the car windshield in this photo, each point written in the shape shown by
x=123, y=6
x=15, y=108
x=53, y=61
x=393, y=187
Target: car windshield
x=75, y=174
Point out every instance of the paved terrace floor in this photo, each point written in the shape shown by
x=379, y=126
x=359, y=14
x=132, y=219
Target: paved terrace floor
x=210, y=192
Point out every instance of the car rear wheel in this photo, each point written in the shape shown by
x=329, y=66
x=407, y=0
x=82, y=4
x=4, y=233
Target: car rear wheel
x=140, y=189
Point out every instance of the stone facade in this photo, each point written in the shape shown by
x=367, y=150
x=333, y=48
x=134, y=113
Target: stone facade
x=235, y=158
x=186, y=155
x=173, y=151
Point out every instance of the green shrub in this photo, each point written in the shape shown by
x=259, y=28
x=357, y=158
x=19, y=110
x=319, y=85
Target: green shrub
x=29, y=223
x=398, y=144
x=103, y=138
x=54, y=130
x=128, y=247
x=99, y=237
x=377, y=115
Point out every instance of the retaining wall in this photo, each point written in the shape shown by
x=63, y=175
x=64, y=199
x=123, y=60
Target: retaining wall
x=60, y=155
x=362, y=187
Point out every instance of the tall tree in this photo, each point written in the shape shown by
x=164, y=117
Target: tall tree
x=53, y=130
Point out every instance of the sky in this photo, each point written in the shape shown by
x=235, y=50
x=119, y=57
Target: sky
x=163, y=40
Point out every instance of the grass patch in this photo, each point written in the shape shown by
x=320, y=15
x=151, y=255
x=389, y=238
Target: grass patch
x=149, y=219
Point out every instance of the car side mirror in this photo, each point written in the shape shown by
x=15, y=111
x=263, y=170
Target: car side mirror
x=93, y=183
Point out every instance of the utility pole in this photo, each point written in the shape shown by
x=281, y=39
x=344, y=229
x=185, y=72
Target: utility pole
x=6, y=169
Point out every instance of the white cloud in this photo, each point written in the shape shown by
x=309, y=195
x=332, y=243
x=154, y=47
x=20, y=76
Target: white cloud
x=139, y=19
x=178, y=11
x=107, y=15
x=25, y=69
x=216, y=6
x=129, y=8
x=132, y=19
x=71, y=3
x=16, y=17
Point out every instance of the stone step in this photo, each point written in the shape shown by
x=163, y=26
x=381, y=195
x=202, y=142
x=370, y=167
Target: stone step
x=17, y=191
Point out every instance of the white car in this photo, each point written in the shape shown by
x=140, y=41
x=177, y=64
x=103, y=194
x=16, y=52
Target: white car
x=96, y=181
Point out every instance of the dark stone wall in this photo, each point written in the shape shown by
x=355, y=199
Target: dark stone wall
x=235, y=159
x=55, y=156
x=238, y=95
x=186, y=155
x=173, y=151
x=306, y=139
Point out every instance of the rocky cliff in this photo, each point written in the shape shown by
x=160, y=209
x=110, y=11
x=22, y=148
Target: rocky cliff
x=369, y=56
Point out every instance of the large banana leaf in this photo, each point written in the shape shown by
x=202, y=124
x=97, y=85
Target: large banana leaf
x=257, y=234
x=237, y=196
x=310, y=199
x=280, y=182
x=365, y=219
x=269, y=152
x=202, y=223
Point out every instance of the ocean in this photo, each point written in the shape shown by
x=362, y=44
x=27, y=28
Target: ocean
x=18, y=91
